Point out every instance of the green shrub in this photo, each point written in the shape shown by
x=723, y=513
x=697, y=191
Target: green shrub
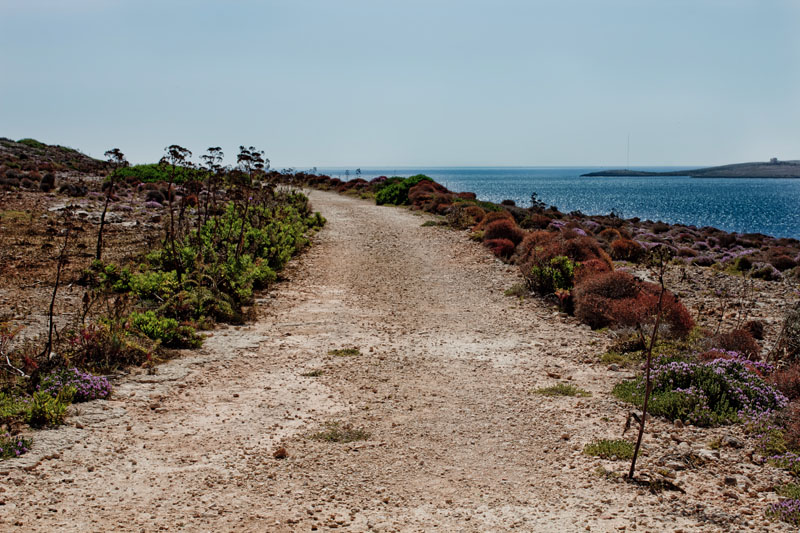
x=339, y=432
x=562, y=389
x=154, y=173
x=396, y=193
x=791, y=490
x=14, y=445
x=153, y=284
x=198, y=303
x=45, y=410
x=33, y=143
x=165, y=330
x=550, y=276
x=12, y=408
x=610, y=449
x=345, y=352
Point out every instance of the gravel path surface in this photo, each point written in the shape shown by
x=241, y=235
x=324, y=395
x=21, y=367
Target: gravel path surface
x=442, y=384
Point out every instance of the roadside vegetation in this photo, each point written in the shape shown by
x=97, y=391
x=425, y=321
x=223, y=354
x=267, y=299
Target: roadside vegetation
x=591, y=267
x=226, y=233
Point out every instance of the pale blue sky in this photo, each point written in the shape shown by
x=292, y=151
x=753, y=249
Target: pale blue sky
x=380, y=83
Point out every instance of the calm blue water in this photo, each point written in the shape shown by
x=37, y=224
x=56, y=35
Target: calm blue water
x=769, y=206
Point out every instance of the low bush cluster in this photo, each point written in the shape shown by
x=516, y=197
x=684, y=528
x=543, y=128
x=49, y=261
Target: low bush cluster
x=396, y=193
x=14, y=445
x=86, y=387
x=721, y=391
x=618, y=298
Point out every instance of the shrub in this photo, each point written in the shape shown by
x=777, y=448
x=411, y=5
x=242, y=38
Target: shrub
x=563, y=389
x=504, y=229
x=609, y=235
x=755, y=328
x=500, y=247
x=787, y=510
x=548, y=277
x=86, y=386
x=14, y=445
x=783, y=262
x=589, y=269
x=627, y=250
x=619, y=299
x=108, y=345
x=618, y=449
x=703, y=261
x=787, y=380
x=48, y=182
x=738, y=340
x=165, y=330
x=345, y=352
x=660, y=227
x=789, y=344
x=536, y=221
x=721, y=391
x=475, y=212
x=766, y=272
x=742, y=263
x=397, y=193
x=339, y=432
x=154, y=173
x=46, y=410
x=493, y=216
x=151, y=284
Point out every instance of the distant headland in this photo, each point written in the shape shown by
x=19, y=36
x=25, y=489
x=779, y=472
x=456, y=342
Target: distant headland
x=770, y=169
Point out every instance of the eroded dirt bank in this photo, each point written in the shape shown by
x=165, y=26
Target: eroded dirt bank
x=442, y=384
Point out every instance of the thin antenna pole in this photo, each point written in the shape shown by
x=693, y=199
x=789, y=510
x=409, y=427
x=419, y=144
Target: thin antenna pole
x=628, y=160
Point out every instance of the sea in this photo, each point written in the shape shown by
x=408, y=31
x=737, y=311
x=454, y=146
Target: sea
x=744, y=205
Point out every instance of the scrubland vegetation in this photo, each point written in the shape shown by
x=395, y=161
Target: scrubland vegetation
x=226, y=233
x=601, y=270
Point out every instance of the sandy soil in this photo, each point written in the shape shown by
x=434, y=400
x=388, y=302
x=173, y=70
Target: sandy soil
x=443, y=384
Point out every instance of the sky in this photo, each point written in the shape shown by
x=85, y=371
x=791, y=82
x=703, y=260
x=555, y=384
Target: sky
x=408, y=83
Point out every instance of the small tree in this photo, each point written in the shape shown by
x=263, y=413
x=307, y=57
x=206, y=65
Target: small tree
x=117, y=160
x=213, y=165
x=659, y=260
x=176, y=156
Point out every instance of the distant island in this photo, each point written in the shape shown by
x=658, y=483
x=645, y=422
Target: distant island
x=771, y=169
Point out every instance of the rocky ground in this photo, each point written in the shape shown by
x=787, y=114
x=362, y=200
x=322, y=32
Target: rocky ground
x=441, y=385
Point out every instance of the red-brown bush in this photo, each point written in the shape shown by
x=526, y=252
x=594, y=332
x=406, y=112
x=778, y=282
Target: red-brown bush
x=542, y=246
x=755, y=328
x=491, y=217
x=427, y=190
x=504, y=229
x=537, y=221
x=627, y=250
x=609, y=235
x=783, y=262
x=787, y=380
x=589, y=269
x=738, y=340
x=619, y=299
x=477, y=213
x=501, y=247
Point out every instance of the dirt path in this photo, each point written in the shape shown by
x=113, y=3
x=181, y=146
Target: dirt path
x=443, y=385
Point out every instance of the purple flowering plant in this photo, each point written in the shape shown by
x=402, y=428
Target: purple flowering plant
x=787, y=510
x=13, y=446
x=87, y=386
x=726, y=390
